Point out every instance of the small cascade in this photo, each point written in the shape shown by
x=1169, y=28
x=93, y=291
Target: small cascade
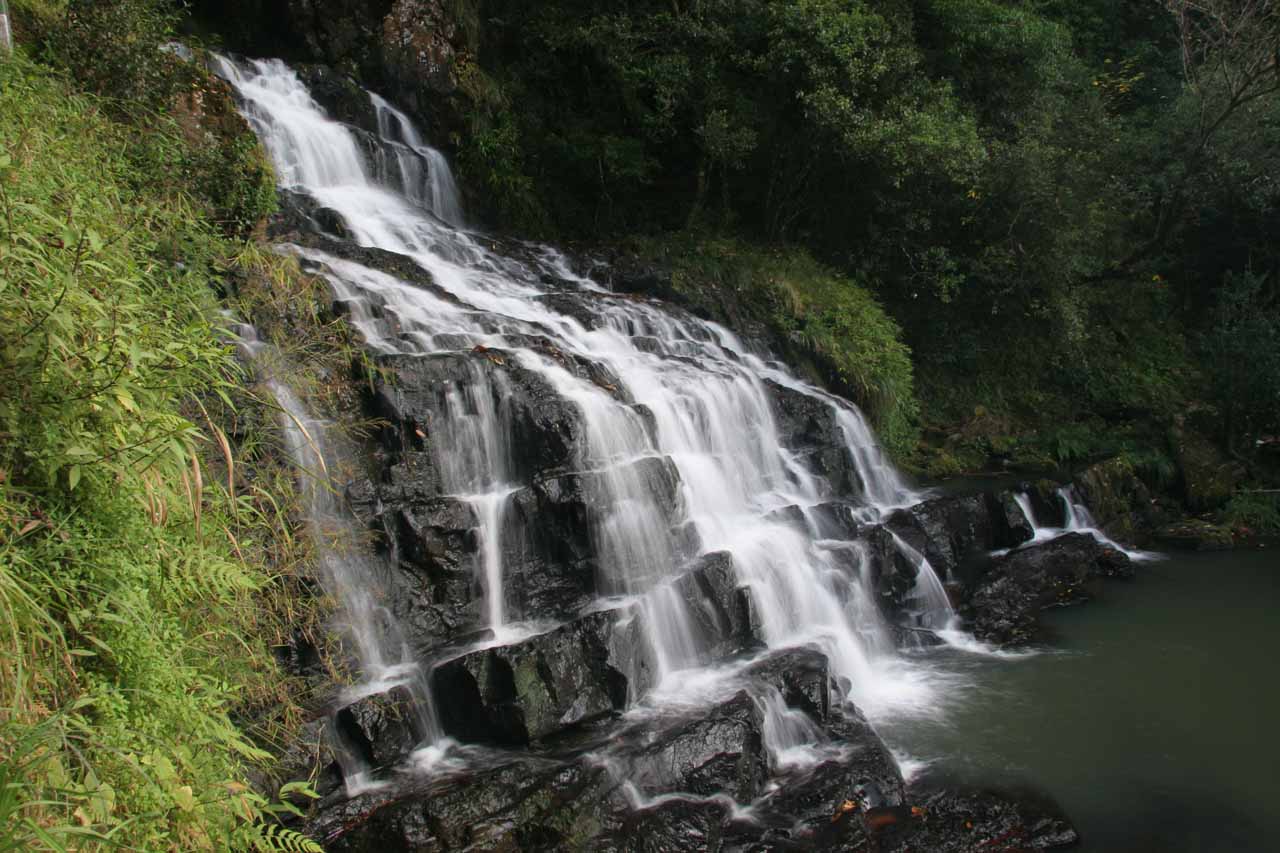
x=1040, y=534
x=421, y=172
x=792, y=738
x=475, y=467
x=935, y=612
x=1076, y=519
x=347, y=571
x=6, y=31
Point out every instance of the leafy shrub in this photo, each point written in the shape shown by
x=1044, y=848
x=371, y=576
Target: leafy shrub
x=1257, y=511
x=1242, y=349
x=128, y=576
x=112, y=47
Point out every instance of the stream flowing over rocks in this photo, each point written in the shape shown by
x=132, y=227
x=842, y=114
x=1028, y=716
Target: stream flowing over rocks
x=616, y=579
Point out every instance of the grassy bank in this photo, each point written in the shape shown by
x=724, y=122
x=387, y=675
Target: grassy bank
x=824, y=323
x=137, y=687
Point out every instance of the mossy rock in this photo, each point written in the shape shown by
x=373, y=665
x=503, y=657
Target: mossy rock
x=1196, y=535
x=1118, y=499
x=1209, y=478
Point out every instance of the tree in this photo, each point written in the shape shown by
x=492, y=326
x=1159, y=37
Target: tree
x=1230, y=53
x=1242, y=351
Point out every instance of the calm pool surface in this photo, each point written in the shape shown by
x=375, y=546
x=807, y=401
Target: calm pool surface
x=1152, y=720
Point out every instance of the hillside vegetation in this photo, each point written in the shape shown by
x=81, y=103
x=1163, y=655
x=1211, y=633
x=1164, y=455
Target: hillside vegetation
x=138, y=694
x=1067, y=206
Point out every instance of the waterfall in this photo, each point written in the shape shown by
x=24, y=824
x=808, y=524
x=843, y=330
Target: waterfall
x=421, y=172
x=6, y=32
x=682, y=401
x=1076, y=519
x=934, y=605
x=346, y=569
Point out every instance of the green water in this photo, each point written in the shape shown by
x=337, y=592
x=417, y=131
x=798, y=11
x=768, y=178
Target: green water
x=1152, y=720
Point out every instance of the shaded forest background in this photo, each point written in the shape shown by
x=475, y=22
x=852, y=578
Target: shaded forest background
x=1067, y=206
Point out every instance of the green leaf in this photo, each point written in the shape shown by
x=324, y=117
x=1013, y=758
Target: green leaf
x=184, y=797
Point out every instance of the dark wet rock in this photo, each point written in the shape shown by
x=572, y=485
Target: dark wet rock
x=803, y=679
x=469, y=810
x=869, y=764
x=576, y=305
x=341, y=97
x=915, y=637
x=522, y=692
x=801, y=676
x=664, y=784
x=720, y=751
x=807, y=425
x=679, y=824
x=545, y=428
x=1010, y=526
x=1195, y=535
x=791, y=515
x=532, y=804
x=1004, y=604
x=381, y=729
x=550, y=553
x=437, y=536
x=947, y=820
x=892, y=573
x=301, y=214
x=722, y=617
x=1046, y=503
x=833, y=520
x=950, y=532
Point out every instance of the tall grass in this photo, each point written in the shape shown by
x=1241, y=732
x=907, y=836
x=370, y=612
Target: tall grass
x=131, y=569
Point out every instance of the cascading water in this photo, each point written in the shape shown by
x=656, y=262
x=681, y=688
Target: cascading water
x=1076, y=519
x=675, y=400
x=420, y=171
x=346, y=570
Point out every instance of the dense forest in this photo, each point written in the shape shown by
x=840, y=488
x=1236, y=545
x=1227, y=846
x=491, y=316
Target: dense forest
x=1025, y=235
x=1068, y=208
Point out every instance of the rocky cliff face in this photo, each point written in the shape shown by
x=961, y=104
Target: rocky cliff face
x=533, y=724
x=551, y=758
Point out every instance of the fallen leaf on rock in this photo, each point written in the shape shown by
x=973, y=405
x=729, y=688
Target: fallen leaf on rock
x=843, y=809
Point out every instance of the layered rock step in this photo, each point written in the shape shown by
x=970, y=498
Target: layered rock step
x=689, y=780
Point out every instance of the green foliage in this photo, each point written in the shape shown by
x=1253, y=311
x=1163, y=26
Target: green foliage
x=493, y=159
x=223, y=160
x=1257, y=512
x=1242, y=350
x=129, y=574
x=112, y=48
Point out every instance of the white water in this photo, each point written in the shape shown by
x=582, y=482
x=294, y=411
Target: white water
x=346, y=570
x=6, y=33
x=1078, y=519
x=421, y=172
x=683, y=393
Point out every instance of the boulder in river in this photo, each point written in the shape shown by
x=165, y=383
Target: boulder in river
x=1003, y=604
